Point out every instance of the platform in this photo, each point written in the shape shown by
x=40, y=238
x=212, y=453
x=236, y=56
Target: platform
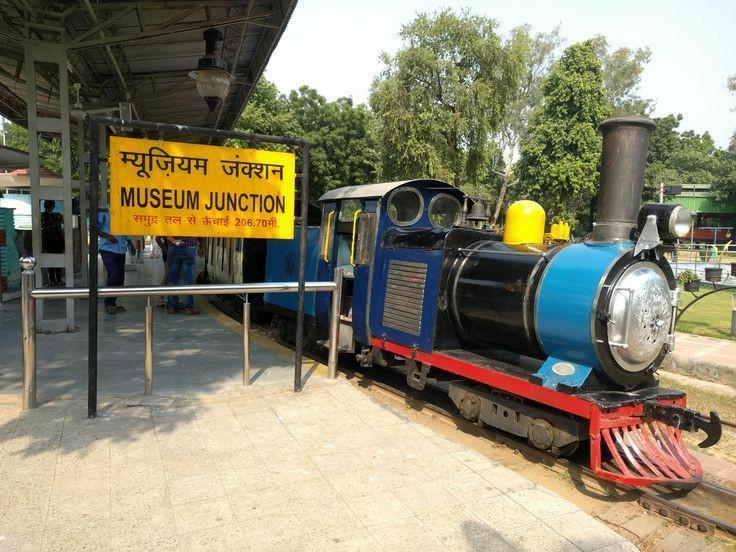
x=704, y=358
x=192, y=354
x=208, y=464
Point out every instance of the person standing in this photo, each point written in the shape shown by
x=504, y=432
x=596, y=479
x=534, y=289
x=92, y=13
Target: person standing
x=182, y=255
x=163, y=244
x=52, y=237
x=112, y=251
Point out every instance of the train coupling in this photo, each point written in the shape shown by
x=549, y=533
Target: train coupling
x=688, y=420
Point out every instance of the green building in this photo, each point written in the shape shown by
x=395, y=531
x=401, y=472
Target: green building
x=714, y=219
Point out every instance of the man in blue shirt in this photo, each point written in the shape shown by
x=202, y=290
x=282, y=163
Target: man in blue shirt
x=112, y=251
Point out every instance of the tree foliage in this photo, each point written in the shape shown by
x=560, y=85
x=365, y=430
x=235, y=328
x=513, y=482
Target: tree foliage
x=558, y=166
x=268, y=112
x=341, y=153
x=622, y=70
x=538, y=54
x=49, y=148
x=687, y=158
x=440, y=98
x=731, y=85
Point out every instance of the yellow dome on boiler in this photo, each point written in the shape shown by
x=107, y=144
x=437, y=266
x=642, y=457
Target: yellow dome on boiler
x=525, y=222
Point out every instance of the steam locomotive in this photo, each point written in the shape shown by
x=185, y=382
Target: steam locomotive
x=555, y=342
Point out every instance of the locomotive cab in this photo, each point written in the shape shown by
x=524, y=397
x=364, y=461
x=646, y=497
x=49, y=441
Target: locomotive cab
x=355, y=220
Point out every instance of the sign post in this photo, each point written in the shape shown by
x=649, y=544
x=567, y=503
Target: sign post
x=201, y=191
x=178, y=189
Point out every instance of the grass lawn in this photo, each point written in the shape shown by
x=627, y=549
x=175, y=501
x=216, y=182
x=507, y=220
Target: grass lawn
x=710, y=317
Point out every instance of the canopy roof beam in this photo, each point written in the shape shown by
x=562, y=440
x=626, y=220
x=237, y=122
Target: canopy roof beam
x=152, y=33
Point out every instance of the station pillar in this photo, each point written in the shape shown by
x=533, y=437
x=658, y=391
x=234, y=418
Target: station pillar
x=48, y=59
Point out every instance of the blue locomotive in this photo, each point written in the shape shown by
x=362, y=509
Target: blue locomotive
x=555, y=342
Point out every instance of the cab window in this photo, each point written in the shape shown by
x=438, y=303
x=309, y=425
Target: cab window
x=326, y=232
x=444, y=211
x=405, y=206
x=365, y=232
x=348, y=208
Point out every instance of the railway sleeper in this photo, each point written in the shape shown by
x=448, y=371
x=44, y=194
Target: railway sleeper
x=545, y=430
x=686, y=519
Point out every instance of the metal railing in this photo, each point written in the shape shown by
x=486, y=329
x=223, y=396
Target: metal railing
x=30, y=295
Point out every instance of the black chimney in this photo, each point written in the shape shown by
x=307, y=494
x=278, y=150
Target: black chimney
x=624, y=158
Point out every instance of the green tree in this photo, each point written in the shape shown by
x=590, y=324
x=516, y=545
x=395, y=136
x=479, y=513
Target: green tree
x=687, y=158
x=621, y=71
x=724, y=184
x=267, y=112
x=538, y=54
x=663, y=146
x=49, y=148
x=731, y=85
x=441, y=96
x=341, y=152
x=558, y=166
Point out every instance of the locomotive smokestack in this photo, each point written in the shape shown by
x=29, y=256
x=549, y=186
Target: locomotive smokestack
x=624, y=158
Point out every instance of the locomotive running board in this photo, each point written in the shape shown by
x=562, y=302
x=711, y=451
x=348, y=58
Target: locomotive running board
x=644, y=451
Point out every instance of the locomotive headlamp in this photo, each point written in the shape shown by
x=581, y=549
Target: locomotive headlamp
x=212, y=76
x=673, y=221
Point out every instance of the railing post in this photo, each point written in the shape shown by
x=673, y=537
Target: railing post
x=733, y=315
x=246, y=342
x=148, y=367
x=335, y=325
x=28, y=308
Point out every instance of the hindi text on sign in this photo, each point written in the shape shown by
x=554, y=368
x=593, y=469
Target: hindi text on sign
x=174, y=188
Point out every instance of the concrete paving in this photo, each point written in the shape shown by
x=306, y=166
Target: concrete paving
x=327, y=469
x=208, y=464
x=703, y=358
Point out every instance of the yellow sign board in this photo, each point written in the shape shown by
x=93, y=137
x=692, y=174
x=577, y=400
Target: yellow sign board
x=175, y=189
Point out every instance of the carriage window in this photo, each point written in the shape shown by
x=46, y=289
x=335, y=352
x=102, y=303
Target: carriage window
x=365, y=232
x=405, y=206
x=444, y=211
x=347, y=209
x=325, y=240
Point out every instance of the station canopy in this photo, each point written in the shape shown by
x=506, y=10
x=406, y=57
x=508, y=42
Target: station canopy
x=138, y=52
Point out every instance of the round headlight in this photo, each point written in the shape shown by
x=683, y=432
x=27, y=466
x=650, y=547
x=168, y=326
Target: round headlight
x=673, y=220
x=680, y=221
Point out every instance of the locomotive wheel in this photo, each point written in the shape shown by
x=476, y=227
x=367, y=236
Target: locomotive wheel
x=541, y=434
x=470, y=407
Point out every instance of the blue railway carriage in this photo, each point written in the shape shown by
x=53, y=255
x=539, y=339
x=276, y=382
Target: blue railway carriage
x=239, y=260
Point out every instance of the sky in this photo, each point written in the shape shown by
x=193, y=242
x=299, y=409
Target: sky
x=334, y=46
